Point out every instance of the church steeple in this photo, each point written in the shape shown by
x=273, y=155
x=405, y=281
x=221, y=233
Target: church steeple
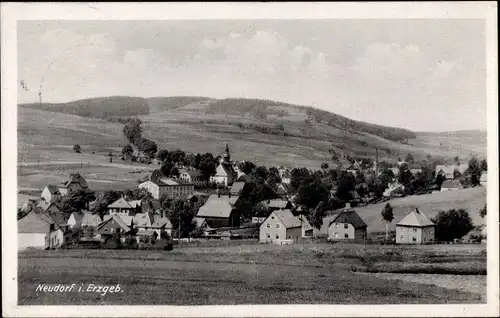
x=227, y=156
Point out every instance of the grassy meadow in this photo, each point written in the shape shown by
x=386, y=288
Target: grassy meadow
x=241, y=274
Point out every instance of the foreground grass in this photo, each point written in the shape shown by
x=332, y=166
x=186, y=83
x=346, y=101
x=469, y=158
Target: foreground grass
x=246, y=274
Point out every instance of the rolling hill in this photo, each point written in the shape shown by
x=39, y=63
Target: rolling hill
x=265, y=132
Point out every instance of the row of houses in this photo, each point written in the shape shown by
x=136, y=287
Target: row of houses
x=283, y=227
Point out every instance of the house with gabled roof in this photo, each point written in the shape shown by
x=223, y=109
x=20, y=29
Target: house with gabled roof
x=237, y=187
x=190, y=175
x=282, y=190
x=281, y=226
x=124, y=207
x=162, y=225
x=220, y=211
x=415, y=228
x=50, y=193
x=112, y=225
x=276, y=204
x=39, y=230
x=83, y=219
x=347, y=225
x=74, y=183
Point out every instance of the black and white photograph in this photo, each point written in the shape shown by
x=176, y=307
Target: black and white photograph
x=234, y=159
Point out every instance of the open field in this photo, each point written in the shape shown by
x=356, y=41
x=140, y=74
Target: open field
x=471, y=199
x=47, y=136
x=240, y=274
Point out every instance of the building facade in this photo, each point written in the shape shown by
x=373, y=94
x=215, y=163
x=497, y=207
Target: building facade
x=415, y=228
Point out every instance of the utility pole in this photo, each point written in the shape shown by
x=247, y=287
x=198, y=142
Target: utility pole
x=376, y=162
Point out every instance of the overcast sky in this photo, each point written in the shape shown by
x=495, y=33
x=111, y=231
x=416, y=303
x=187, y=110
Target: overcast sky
x=425, y=75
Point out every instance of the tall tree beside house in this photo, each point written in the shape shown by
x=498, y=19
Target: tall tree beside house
x=207, y=165
x=484, y=165
x=387, y=216
x=181, y=214
x=246, y=166
x=452, y=224
x=103, y=200
x=311, y=192
x=439, y=180
x=347, y=183
x=297, y=177
x=405, y=176
x=77, y=201
x=482, y=212
x=474, y=171
x=77, y=148
x=317, y=215
x=166, y=168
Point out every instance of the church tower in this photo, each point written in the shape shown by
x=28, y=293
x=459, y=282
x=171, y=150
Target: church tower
x=227, y=156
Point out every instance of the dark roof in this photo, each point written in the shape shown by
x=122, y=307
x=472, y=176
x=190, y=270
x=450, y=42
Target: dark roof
x=53, y=189
x=34, y=223
x=417, y=219
x=349, y=216
x=288, y=219
x=75, y=178
x=237, y=187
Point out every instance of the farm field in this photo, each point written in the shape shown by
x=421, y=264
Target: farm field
x=471, y=199
x=47, y=136
x=240, y=274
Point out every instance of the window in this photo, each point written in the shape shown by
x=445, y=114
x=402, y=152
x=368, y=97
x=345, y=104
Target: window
x=346, y=226
x=289, y=237
x=414, y=229
x=336, y=225
x=268, y=235
x=402, y=237
x=414, y=239
x=268, y=225
x=272, y=217
x=277, y=225
x=277, y=236
x=346, y=235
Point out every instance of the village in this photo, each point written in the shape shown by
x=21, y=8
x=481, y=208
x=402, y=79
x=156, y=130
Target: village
x=200, y=198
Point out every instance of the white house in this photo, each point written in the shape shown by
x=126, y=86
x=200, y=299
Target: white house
x=168, y=187
x=281, y=227
x=50, y=193
x=415, y=228
x=38, y=230
x=484, y=178
x=191, y=175
x=347, y=226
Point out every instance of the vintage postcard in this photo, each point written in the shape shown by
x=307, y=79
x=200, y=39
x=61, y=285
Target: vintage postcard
x=254, y=159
